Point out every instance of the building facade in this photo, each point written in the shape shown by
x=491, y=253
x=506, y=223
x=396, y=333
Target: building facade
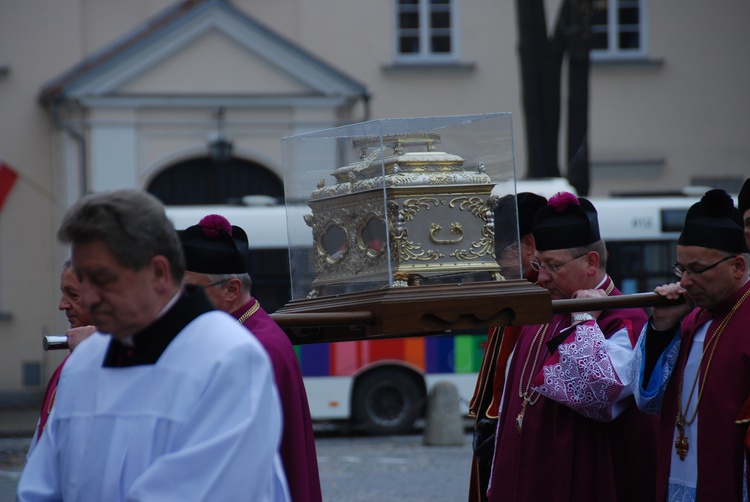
x=105, y=94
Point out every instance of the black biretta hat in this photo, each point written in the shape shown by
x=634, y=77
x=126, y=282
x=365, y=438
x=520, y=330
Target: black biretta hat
x=743, y=201
x=714, y=222
x=528, y=204
x=565, y=222
x=213, y=246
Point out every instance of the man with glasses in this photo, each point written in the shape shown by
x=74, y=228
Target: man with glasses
x=485, y=403
x=567, y=430
x=217, y=258
x=692, y=364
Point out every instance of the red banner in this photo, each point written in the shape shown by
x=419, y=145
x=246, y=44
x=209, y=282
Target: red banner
x=7, y=179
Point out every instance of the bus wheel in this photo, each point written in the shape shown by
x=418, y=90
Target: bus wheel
x=387, y=402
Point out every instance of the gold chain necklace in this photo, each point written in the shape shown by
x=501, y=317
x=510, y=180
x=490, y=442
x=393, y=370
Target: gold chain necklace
x=529, y=398
x=247, y=315
x=681, y=443
x=51, y=405
x=610, y=288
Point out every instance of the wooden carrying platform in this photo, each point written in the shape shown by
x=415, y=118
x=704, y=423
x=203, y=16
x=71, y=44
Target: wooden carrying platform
x=435, y=309
x=414, y=311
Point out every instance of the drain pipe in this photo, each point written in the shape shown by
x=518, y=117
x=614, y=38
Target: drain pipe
x=366, y=104
x=77, y=136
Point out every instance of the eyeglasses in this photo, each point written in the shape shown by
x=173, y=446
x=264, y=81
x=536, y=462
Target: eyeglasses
x=512, y=247
x=549, y=267
x=679, y=270
x=215, y=283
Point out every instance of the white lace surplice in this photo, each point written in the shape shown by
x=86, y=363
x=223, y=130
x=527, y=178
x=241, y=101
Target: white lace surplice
x=588, y=372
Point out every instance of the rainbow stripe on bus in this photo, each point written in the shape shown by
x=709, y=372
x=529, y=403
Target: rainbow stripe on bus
x=433, y=354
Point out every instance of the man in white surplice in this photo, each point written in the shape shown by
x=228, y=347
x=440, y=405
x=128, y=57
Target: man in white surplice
x=170, y=400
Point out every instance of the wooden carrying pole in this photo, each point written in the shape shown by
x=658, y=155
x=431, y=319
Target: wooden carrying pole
x=611, y=302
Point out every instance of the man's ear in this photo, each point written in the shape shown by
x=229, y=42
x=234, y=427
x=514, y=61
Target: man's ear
x=233, y=289
x=161, y=272
x=528, y=245
x=740, y=266
x=592, y=262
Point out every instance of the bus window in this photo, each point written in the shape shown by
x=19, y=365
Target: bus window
x=672, y=220
x=640, y=266
x=269, y=270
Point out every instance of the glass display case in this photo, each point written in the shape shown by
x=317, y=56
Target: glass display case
x=396, y=203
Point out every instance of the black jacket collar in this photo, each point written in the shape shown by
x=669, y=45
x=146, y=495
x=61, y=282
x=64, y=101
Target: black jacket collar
x=149, y=344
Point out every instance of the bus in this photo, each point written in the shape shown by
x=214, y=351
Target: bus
x=641, y=235
x=381, y=386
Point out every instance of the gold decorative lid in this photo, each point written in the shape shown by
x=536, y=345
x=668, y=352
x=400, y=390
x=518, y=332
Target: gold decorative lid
x=401, y=167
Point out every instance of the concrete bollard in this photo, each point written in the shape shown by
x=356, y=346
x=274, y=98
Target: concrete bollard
x=443, y=425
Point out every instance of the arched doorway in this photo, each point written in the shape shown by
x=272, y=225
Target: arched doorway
x=202, y=181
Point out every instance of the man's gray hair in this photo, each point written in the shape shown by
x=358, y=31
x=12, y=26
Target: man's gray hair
x=599, y=246
x=244, y=279
x=132, y=224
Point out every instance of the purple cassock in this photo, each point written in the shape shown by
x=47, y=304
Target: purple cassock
x=297, y=447
x=720, y=448
x=546, y=450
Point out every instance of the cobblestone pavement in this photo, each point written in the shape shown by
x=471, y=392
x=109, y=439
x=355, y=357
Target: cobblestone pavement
x=12, y=457
x=353, y=468
x=18, y=422
x=374, y=469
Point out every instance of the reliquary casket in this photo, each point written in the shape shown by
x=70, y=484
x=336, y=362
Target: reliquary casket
x=438, y=220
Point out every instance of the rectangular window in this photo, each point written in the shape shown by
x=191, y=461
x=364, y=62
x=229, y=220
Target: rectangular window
x=673, y=220
x=639, y=266
x=618, y=28
x=426, y=29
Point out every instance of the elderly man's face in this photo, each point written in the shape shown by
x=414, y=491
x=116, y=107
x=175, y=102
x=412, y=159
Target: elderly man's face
x=561, y=273
x=215, y=291
x=120, y=301
x=715, y=282
x=509, y=260
x=71, y=300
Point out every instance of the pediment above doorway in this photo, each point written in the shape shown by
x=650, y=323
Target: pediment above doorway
x=201, y=50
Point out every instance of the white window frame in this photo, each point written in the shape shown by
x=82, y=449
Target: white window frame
x=613, y=31
x=425, y=54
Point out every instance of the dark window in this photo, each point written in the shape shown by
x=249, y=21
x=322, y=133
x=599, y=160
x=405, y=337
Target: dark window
x=640, y=266
x=201, y=181
x=32, y=373
x=425, y=27
x=673, y=220
x=617, y=26
x=269, y=269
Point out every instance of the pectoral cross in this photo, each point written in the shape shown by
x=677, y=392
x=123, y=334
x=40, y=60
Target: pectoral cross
x=519, y=418
x=681, y=443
